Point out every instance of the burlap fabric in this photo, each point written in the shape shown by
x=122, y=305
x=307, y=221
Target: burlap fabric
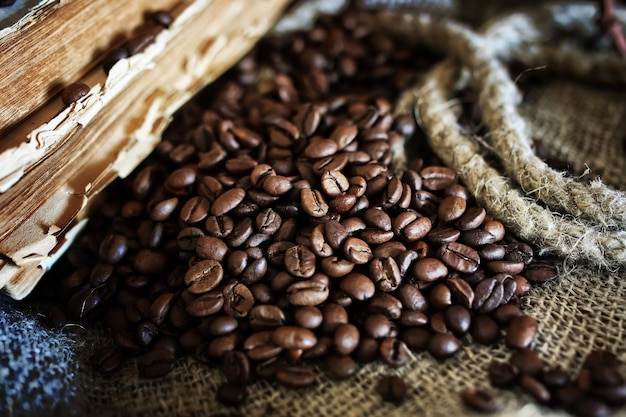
x=577, y=121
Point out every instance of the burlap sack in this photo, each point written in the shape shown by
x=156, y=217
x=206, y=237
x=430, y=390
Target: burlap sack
x=581, y=311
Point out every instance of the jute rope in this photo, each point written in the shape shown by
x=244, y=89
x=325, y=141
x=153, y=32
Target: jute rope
x=581, y=221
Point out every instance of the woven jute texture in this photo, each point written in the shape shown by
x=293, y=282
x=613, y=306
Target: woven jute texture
x=577, y=121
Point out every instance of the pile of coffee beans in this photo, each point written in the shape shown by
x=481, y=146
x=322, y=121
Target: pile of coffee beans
x=270, y=227
x=591, y=393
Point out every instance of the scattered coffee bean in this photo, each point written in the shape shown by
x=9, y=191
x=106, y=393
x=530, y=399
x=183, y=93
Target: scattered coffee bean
x=74, y=92
x=391, y=388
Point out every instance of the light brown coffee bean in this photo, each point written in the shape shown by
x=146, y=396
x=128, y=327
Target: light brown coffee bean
x=307, y=293
x=204, y=276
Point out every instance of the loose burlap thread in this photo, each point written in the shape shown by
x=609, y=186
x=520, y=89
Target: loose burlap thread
x=581, y=311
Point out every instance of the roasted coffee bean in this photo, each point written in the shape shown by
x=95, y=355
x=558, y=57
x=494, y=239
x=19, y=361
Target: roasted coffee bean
x=539, y=272
x=484, y=330
x=336, y=235
x=160, y=307
x=313, y=203
x=535, y=388
x=492, y=252
x=443, y=345
x=386, y=304
x=505, y=313
x=106, y=359
x=482, y=401
x=300, y=261
x=589, y=407
x=488, y=295
x=309, y=317
x=385, y=273
x=430, y=269
x=295, y=376
x=266, y=317
x=236, y=367
x=162, y=17
x=112, y=57
x=503, y=374
x=238, y=299
x=437, y=177
x=156, y=364
x=521, y=332
x=458, y=319
x=231, y=393
x=555, y=378
x=207, y=304
x=211, y=248
x=461, y=291
x=204, y=276
x=292, y=337
x=393, y=352
x=307, y=293
x=340, y=367
x=527, y=361
x=440, y=297
x=222, y=325
x=411, y=298
x=391, y=388
x=357, y=251
x=451, y=208
x=346, y=338
x=518, y=252
x=357, y=286
x=227, y=201
x=377, y=218
x=141, y=41
x=460, y=257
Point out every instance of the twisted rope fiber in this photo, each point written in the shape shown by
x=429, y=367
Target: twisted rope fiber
x=499, y=98
x=553, y=232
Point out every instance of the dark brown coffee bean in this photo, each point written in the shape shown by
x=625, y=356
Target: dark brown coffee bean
x=149, y=262
x=309, y=317
x=521, y=332
x=162, y=17
x=211, y=248
x=334, y=183
x=242, y=231
x=502, y=374
x=417, y=229
x=207, y=304
x=204, y=276
x=519, y=252
x=385, y=274
x=160, y=307
x=471, y=219
x=589, y=407
x=484, y=330
x=112, y=57
x=540, y=272
x=346, y=338
x=238, y=299
x=377, y=218
x=505, y=267
x=219, y=226
x=443, y=345
x=451, y=208
x=411, y=298
x=440, y=296
x=300, y=261
x=505, y=313
x=307, y=293
x=156, y=364
x=437, y=177
x=527, y=361
x=340, y=367
x=292, y=337
x=600, y=358
x=335, y=234
x=385, y=303
x=357, y=251
x=106, y=359
x=482, y=401
x=343, y=135
x=461, y=291
x=535, y=388
x=295, y=376
x=266, y=317
x=357, y=286
x=429, y=270
x=458, y=319
x=313, y=203
x=555, y=378
x=222, y=325
x=488, y=295
x=227, y=201
x=231, y=393
x=393, y=352
x=236, y=367
x=492, y=252
x=460, y=257
x=391, y=388
x=260, y=347
x=139, y=42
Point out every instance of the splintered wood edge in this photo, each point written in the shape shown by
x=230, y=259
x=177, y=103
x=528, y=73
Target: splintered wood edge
x=113, y=140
